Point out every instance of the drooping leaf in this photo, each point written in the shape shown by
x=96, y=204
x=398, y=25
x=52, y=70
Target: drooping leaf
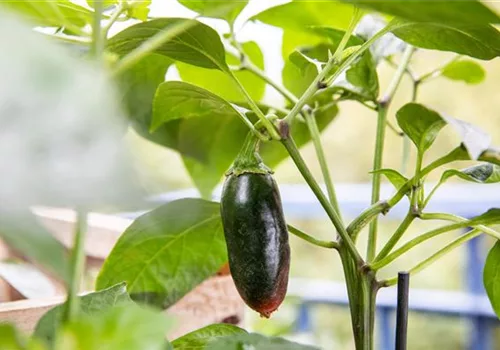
x=125, y=327
x=395, y=177
x=167, y=252
x=200, y=338
x=467, y=71
x=50, y=13
x=481, y=41
x=90, y=304
x=22, y=232
x=227, y=10
x=221, y=84
x=485, y=173
x=467, y=12
x=196, y=44
x=421, y=124
x=256, y=341
x=491, y=279
x=491, y=217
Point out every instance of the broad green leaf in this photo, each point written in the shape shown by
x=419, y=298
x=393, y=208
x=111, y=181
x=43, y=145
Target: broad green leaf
x=467, y=11
x=167, y=252
x=491, y=279
x=179, y=100
x=421, y=124
x=200, y=338
x=476, y=40
x=125, y=327
x=198, y=44
x=22, y=232
x=50, y=13
x=395, y=177
x=299, y=15
x=11, y=339
x=227, y=10
x=220, y=83
x=256, y=341
x=483, y=173
x=467, y=71
x=491, y=217
x=90, y=304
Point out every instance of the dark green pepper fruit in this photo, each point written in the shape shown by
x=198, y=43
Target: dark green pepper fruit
x=256, y=232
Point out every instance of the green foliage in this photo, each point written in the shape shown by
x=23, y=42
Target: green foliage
x=127, y=327
x=184, y=238
x=490, y=277
x=467, y=71
x=201, y=338
x=90, y=304
x=485, y=173
x=256, y=341
x=467, y=12
x=395, y=177
x=11, y=339
x=227, y=10
x=198, y=45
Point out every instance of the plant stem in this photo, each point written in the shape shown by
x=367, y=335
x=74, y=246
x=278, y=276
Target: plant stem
x=436, y=72
x=459, y=219
x=301, y=234
x=311, y=90
x=265, y=122
x=422, y=265
x=320, y=153
x=332, y=214
x=379, y=146
x=366, y=217
x=71, y=306
x=396, y=236
x=97, y=47
x=119, y=10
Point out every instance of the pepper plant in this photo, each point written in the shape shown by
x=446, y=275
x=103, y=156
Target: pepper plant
x=331, y=51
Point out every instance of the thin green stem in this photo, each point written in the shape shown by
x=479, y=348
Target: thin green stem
x=314, y=87
x=119, y=10
x=70, y=39
x=439, y=254
x=347, y=35
x=396, y=236
x=459, y=219
x=320, y=153
x=431, y=194
x=406, y=140
x=332, y=214
x=97, y=47
x=367, y=317
x=436, y=72
x=71, y=306
x=301, y=234
x=365, y=218
x=379, y=146
x=378, y=264
x=253, y=106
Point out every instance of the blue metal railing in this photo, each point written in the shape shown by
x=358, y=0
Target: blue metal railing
x=459, y=199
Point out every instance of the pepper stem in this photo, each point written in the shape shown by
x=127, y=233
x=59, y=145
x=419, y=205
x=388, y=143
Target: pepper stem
x=249, y=160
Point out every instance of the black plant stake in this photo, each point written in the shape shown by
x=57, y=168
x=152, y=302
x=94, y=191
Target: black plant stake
x=402, y=311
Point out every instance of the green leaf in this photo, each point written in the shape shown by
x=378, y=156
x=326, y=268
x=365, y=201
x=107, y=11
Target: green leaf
x=491, y=155
x=227, y=10
x=50, y=13
x=491, y=217
x=220, y=83
x=256, y=341
x=299, y=15
x=139, y=9
x=198, y=45
x=11, y=339
x=22, y=232
x=483, y=173
x=491, y=280
x=395, y=177
x=467, y=12
x=476, y=40
x=125, y=327
x=467, y=71
x=167, y=252
x=421, y=124
x=200, y=338
x=90, y=304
